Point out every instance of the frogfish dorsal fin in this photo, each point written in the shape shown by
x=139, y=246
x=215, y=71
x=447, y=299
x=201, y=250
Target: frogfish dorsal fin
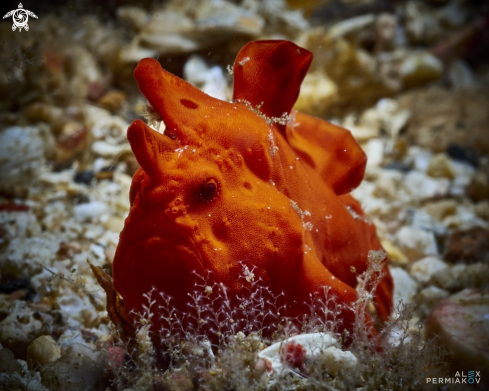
x=270, y=72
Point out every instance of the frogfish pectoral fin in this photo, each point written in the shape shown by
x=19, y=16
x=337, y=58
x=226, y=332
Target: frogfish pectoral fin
x=330, y=149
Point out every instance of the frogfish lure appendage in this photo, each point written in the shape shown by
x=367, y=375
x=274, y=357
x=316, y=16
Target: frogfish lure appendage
x=223, y=189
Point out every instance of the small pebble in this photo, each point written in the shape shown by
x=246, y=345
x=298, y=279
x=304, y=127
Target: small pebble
x=462, y=276
x=42, y=350
x=478, y=188
x=441, y=208
x=395, y=254
x=114, y=224
x=423, y=187
x=79, y=368
x=416, y=243
x=460, y=324
x=15, y=285
x=440, y=167
x=19, y=329
x=112, y=100
x=90, y=210
x=7, y=362
x=429, y=297
x=424, y=269
x=405, y=287
x=468, y=155
x=395, y=165
x=85, y=177
x=468, y=246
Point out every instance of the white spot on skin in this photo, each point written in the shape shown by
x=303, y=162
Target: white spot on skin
x=180, y=150
x=244, y=61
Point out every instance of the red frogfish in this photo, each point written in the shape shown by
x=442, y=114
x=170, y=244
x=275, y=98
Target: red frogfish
x=248, y=183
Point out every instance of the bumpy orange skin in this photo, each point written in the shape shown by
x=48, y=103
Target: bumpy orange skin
x=266, y=175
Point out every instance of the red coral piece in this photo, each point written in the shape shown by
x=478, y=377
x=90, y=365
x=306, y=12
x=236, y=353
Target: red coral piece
x=115, y=358
x=14, y=207
x=293, y=354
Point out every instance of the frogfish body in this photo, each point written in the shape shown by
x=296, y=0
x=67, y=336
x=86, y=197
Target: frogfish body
x=244, y=184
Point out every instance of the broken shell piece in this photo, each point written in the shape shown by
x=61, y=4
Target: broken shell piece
x=111, y=129
x=315, y=346
x=19, y=329
x=363, y=131
x=43, y=112
x=420, y=68
x=396, y=256
x=317, y=92
x=375, y=151
x=440, y=167
x=22, y=153
x=423, y=187
x=211, y=80
x=421, y=24
x=112, y=100
x=71, y=141
x=93, y=114
x=429, y=297
x=108, y=150
x=460, y=74
x=132, y=16
x=336, y=360
x=179, y=29
x=405, y=287
x=90, y=210
x=425, y=268
x=352, y=27
x=416, y=243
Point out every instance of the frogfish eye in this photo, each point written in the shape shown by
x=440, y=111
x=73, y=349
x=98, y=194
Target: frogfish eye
x=208, y=189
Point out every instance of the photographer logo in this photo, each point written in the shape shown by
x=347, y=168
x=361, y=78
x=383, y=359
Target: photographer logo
x=20, y=17
x=471, y=377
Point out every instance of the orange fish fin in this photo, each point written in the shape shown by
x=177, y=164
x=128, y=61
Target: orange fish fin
x=270, y=72
x=150, y=148
x=329, y=149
